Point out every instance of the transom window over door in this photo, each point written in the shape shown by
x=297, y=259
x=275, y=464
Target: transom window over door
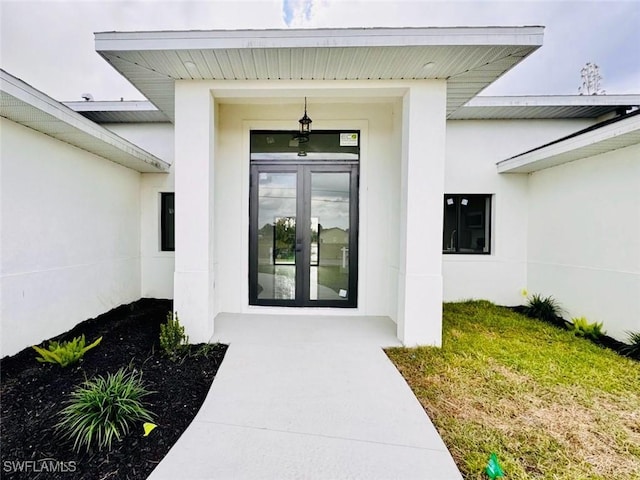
x=303, y=220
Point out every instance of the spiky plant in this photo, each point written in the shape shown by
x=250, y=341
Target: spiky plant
x=543, y=308
x=632, y=349
x=104, y=409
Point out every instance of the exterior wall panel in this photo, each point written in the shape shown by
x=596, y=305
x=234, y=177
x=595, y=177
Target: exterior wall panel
x=156, y=266
x=70, y=236
x=379, y=189
x=473, y=149
x=584, y=231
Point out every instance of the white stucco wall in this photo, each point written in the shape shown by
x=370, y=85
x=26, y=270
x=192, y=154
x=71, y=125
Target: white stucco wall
x=473, y=149
x=583, y=237
x=70, y=237
x=396, y=272
x=379, y=190
x=156, y=266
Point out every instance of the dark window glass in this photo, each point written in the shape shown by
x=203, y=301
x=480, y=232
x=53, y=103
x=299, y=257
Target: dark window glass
x=467, y=224
x=167, y=222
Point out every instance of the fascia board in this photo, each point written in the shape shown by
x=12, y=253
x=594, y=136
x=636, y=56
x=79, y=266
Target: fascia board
x=527, y=163
x=554, y=101
x=318, y=38
x=38, y=100
x=111, y=106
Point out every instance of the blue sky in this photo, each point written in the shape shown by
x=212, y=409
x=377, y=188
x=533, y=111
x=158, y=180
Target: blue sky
x=50, y=45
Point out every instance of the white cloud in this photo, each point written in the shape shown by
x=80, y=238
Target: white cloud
x=50, y=44
x=297, y=13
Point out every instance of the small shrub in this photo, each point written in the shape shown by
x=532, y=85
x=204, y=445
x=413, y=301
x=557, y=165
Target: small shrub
x=103, y=409
x=632, y=349
x=65, y=353
x=582, y=328
x=172, y=337
x=543, y=308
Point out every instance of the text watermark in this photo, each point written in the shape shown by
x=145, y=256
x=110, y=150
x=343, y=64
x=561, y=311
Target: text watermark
x=37, y=466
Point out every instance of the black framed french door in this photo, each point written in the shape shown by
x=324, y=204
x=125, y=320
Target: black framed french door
x=303, y=231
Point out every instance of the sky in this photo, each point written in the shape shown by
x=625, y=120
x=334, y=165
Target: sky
x=50, y=44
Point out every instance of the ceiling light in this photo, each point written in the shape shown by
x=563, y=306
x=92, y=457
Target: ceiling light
x=305, y=124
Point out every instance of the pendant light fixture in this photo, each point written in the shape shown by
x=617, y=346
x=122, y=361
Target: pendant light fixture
x=305, y=124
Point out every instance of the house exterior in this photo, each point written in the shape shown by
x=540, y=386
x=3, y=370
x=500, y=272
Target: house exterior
x=409, y=190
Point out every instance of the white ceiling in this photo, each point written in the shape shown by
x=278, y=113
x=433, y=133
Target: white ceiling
x=468, y=58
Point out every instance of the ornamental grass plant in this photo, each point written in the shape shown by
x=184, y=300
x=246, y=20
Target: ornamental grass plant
x=104, y=409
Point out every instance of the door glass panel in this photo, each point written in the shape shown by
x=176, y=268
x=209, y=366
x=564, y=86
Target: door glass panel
x=329, y=248
x=276, y=236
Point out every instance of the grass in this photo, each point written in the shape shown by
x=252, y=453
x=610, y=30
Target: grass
x=552, y=406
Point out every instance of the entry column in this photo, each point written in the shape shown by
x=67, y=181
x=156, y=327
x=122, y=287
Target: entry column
x=194, y=162
x=419, y=312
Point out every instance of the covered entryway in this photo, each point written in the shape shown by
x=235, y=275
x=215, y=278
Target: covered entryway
x=396, y=86
x=303, y=245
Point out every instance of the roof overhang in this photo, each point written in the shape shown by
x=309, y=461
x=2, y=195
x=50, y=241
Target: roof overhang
x=27, y=106
x=118, y=112
x=469, y=58
x=548, y=106
x=613, y=135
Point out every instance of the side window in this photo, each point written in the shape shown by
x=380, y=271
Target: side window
x=167, y=222
x=467, y=224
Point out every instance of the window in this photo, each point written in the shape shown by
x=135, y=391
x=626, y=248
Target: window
x=167, y=222
x=467, y=224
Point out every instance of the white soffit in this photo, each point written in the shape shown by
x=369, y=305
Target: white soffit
x=469, y=58
x=612, y=135
x=27, y=106
x=544, y=107
x=118, y=112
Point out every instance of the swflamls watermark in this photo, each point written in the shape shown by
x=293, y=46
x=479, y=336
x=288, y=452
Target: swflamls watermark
x=37, y=466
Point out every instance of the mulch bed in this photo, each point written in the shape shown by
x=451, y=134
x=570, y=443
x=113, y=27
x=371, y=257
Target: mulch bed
x=33, y=393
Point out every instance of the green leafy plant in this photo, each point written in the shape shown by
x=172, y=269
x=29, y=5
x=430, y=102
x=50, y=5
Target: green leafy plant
x=543, y=308
x=581, y=327
x=632, y=349
x=65, y=353
x=172, y=337
x=104, y=409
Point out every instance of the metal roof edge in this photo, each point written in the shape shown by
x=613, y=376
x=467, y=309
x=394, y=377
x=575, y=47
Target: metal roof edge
x=554, y=100
x=111, y=106
x=129, y=111
x=24, y=92
x=600, y=133
x=322, y=37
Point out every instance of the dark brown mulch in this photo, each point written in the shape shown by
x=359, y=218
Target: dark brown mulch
x=34, y=393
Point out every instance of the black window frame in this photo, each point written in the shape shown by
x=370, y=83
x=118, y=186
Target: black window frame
x=450, y=242
x=167, y=222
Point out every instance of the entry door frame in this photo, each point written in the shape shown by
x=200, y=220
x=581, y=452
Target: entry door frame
x=304, y=169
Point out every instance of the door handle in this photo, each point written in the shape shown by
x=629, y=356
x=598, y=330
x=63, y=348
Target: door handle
x=298, y=247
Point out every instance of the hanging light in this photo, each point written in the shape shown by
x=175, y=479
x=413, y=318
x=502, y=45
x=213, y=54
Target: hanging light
x=305, y=122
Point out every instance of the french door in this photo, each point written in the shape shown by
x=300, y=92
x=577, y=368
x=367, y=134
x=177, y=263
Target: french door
x=303, y=234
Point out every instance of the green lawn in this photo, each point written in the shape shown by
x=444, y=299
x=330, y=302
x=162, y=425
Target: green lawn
x=550, y=405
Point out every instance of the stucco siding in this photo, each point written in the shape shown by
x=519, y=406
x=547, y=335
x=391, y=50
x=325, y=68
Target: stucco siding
x=156, y=268
x=379, y=189
x=473, y=149
x=70, y=236
x=584, y=231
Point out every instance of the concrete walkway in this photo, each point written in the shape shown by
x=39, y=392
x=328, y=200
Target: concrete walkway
x=301, y=397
